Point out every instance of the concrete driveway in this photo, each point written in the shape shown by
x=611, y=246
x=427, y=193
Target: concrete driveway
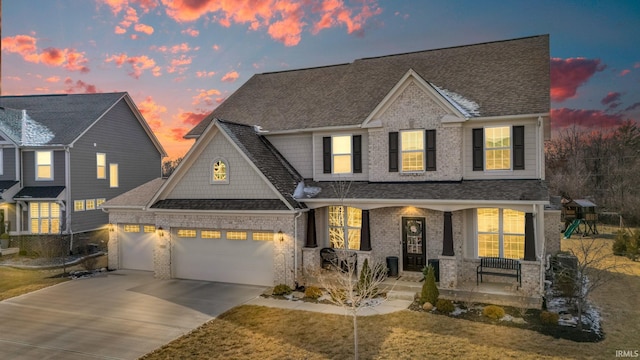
x=122, y=315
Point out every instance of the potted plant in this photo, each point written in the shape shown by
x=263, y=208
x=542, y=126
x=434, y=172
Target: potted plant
x=4, y=240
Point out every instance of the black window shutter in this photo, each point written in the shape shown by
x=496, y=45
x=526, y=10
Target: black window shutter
x=518, y=148
x=393, y=151
x=326, y=154
x=356, y=145
x=431, y=150
x=478, y=156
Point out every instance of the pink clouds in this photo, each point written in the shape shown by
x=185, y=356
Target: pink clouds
x=179, y=64
x=138, y=64
x=610, y=98
x=284, y=20
x=52, y=79
x=175, y=49
x=205, y=74
x=146, y=29
x=564, y=117
x=26, y=47
x=624, y=72
x=191, y=118
x=205, y=96
x=230, y=76
x=152, y=112
x=79, y=87
x=567, y=75
x=191, y=32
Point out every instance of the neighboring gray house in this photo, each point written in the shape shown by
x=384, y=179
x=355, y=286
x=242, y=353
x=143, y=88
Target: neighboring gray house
x=62, y=156
x=441, y=151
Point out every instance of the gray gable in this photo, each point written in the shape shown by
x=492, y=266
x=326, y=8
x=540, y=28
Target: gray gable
x=63, y=117
x=504, y=78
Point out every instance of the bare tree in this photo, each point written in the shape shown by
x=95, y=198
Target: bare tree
x=169, y=166
x=594, y=267
x=347, y=291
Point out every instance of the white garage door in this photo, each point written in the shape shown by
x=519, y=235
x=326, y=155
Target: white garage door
x=232, y=257
x=136, y=246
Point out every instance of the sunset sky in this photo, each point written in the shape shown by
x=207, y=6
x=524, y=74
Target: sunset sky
x=179, y=59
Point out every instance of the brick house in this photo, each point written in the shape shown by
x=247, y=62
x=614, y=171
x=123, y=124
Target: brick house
x=431, y=156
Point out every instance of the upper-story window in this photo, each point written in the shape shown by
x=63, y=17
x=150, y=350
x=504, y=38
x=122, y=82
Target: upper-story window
x=1, y=162
x=412, y=151
x=342, y=154
x=220, y=172
x=114, y=180
x=44, y=165
x=101, y=165
x=498, y=148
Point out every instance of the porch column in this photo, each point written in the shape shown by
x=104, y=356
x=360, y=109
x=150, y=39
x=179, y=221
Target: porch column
x=447, y=238
x=365, y=234
x=529, y=238
x=311, y=241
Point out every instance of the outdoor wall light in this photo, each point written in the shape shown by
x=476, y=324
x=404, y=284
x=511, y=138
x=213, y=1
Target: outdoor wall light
x=280, y=236
x=111, y=227
x=160, y=231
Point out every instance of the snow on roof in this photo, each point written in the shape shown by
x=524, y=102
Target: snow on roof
x=468, y=108
x=34, y=133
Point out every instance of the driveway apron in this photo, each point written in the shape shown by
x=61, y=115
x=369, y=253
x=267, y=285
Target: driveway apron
x=121, y=315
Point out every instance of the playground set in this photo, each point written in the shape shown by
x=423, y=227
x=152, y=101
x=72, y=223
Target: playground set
x=579, y=217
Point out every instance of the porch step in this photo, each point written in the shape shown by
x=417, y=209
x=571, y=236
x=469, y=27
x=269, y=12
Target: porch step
x=9, y=251
x=401, y=295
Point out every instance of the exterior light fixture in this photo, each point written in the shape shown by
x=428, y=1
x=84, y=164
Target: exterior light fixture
x=111, y=229
x=280, y=236
x=160, y=231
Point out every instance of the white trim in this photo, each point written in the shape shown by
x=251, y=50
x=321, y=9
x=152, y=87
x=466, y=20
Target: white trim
x=225, y=162
x=35, y=162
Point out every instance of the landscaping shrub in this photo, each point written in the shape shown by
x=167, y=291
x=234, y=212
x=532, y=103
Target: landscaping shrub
x=282, y=289
x=430, y=291
x=566, y=284
x=493, y=312
x=365, y=277
x=549, y=318
x=445, y=306
x=312, y=292
x=627, y=244
x=620, y=243
x=338, y=295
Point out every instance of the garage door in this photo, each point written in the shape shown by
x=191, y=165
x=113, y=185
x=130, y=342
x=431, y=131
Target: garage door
x=136, y=246
x=241, y=257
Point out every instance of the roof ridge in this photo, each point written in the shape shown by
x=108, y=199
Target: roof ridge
x=307, y=68
x=60, y=95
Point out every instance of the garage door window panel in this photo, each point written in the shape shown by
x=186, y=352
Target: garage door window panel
x=186, y=233
x=237, y=235
x=262, y=236
x=211, y=234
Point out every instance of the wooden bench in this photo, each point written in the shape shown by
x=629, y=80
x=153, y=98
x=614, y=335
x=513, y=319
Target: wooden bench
x=329, y=259
x=488, y=263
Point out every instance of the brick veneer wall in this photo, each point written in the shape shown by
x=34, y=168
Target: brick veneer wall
x=552, y=234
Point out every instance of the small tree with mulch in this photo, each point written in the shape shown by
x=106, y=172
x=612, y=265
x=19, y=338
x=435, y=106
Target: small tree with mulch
x=430, y=291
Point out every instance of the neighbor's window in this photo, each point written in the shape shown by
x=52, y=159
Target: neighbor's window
x=44, y=217
x=219, y=172
x=131, y=228
x=237, y=235
x=100, y=201
x=149, y=228
x=101, y=165
x=262, y=236
x=90, y=204
x=341, y=154
x=44, y=165
x=210, y=234
x=500, y=233
x=186, y=233
x=78, y=205
x=412, y=148
x=497, y=144
x=345, y=220
x=113, y=175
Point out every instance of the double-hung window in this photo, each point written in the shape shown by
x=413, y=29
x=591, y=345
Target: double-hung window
x=342, y=154
x=45, y=217
x=101, y=166
x=44, y=165
x=345, y=224
x=412, y=151
x=500, y=233
x=498, y=148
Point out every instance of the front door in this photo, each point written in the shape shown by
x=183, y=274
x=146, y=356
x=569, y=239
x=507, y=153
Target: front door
x=414, y=251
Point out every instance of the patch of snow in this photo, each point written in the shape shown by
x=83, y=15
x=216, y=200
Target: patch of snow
x=259, y=130
x=458, y=311
x=515, y=320
x=468, y=108
x=303, y=191
x=34, y=133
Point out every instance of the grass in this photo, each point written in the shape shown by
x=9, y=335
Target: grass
x=253, y=332
x=15, y=282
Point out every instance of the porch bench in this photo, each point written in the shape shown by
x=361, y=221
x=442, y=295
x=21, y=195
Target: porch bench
x=330, y=259
x=488, y=263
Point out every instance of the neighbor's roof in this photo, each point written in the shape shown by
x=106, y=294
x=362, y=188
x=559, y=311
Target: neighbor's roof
x=39, y=192
x=138, y=197
x=221, y=204
x=465, y=190
x=508, y=77
x=57, y=119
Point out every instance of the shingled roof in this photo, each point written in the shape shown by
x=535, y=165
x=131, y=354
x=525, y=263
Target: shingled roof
x=508, y=77
x=61, y=117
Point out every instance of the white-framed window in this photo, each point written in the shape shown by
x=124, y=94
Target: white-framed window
x=186, y=233
x=220, y=171
x=500, y=233
x=412, y=150
x=262, y=236
x=131, y=228
x=237, y=235
x=211, y=234
x=345, y=220
x=44, y=165
x=44, y=217
x=113, y=176
x=101, y=165
x=100, y=201
x=78, y=205
x=90, y=204
x=497, y=148
x=149, y=228
x=341, y=154
x=1, y=161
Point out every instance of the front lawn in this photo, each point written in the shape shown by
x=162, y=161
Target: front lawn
x=14, y=282
x=253, y=332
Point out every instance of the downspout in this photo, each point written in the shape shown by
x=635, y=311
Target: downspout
x=67, y=184
x=295, y=246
